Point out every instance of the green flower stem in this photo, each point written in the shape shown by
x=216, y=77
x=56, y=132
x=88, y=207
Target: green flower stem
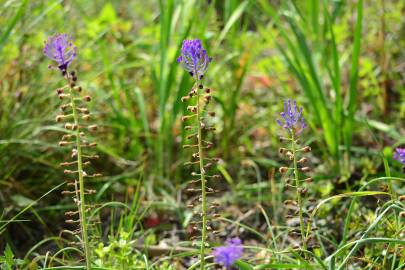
x=82, y=206
x=202, y=172
x=298, y=193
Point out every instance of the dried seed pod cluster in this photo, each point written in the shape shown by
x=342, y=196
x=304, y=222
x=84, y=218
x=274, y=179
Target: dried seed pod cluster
x=199, y=159
x=195, y=60
x=76, y=116
x=296, y=175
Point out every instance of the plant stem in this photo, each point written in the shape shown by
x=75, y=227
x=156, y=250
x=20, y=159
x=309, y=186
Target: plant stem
x=81, y=202
x=202, y=172
x=298, y=193
x=393, y=197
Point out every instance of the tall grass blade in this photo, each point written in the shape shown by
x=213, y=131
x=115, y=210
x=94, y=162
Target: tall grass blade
x=349, y=124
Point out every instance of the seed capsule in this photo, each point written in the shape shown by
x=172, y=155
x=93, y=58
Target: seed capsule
x=63, y=143
x=282, y=150
x=92, y=127
x=59, y=118
x=306, y=169
x=309, y=180
x=283, y=170
x=303, y=160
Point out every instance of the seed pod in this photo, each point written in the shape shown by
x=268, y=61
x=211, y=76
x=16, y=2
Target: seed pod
x=309, y=180
x=59, y=118
x=282, y=150
x=306, y=169
x=283, y=170
x=303, y=160
x=63, y=143
x=306, y=149
x=303, y=191
x=290, y=202
x=92, y=127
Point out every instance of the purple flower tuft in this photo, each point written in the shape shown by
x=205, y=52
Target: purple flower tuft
x=400, y=155
x=194, y=58
x=228, y=254
x=60, y=48
x=293, y=119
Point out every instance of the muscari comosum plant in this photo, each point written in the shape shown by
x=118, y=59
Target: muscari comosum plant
x=75, y=114
x=293, y=123
x=195, y=61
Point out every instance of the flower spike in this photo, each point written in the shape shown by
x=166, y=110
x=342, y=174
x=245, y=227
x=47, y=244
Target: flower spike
x=292, y=120
x=194, y=58
x=60, y=48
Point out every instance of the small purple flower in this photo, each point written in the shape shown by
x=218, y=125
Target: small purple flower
x=228, y=254
x=60, y=48
x=400, y=155
x=194, y=58
x=293, y=120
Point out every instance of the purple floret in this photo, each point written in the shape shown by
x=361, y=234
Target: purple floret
x=60, y=48
x=293, y=120
x=400, y=155
x=228, y=254
x=194, y=58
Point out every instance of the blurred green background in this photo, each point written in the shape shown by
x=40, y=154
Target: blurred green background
x=342, y=61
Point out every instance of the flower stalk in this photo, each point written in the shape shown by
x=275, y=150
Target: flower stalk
x=203, y=181
x=194, y=60
x=298, y=190
x=81, y=203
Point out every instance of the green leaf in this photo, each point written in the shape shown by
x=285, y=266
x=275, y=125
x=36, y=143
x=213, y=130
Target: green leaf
x=21, y=200
x=9, y=257
x=354, y=77
x=8, y=28
x=243, y=265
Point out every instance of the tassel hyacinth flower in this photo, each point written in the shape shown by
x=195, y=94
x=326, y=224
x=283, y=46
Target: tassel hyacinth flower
x=195, y=61
x=293, y=122
x=228, y=254
x=60, y=49
x=75, y=114
x=400, y=155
